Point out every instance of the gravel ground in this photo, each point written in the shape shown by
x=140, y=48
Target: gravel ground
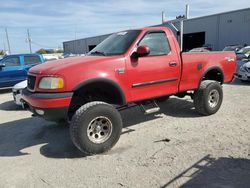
x=173, y=148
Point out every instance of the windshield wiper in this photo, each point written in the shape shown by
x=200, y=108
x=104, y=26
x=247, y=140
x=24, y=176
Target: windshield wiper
x=98, y=52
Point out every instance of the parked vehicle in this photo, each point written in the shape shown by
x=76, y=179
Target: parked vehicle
x=207, y=47
x=14, y=68
x=50, y=57
x=241, y=62
x=241, y=56
x=201, y=49
x=17, y=91
x=134, y=67
x=245, y=50
x=243, y=73
x=243, y=53
x=234, y=48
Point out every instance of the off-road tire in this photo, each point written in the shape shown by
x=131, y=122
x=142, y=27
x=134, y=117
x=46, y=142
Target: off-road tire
x=202, y=97
x=82, y=120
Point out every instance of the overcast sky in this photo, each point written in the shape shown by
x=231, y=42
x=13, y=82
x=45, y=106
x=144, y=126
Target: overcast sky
x=53, y=21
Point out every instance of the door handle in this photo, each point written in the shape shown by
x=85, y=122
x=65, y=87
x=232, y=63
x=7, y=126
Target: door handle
x=172, y=64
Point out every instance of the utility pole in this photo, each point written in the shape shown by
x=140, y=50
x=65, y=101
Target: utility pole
x=7, y=37
x=75, y=30
x=4, y=47
x=162, y=16
x=29, y=39
x=181, y=34
x=187, y=11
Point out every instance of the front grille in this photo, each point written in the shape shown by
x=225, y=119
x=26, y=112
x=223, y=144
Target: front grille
x=31, y=82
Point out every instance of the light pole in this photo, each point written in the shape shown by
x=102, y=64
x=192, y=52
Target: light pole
x=7, y=37
x=29, y=40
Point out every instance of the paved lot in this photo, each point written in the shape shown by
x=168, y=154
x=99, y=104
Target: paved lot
x=173, y=148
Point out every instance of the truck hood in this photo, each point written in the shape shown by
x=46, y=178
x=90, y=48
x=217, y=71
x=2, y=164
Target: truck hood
x=58, y=66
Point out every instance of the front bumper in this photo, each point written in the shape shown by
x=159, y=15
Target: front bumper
x=50, y=114
x=50, y=106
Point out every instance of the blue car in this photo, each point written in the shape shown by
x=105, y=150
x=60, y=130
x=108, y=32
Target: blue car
x=14, y=68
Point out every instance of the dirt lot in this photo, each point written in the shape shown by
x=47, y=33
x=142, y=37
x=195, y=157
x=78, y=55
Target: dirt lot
x=173, y=148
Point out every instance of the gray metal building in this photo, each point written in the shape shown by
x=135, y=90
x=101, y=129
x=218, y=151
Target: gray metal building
x=216, y=31
x=82, y=46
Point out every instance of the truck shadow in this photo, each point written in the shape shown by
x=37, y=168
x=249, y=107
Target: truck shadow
x=2, y=91
x=237, y=82
x=211, y=172
x=10, y=106
x=18, y=136
x=174, y=107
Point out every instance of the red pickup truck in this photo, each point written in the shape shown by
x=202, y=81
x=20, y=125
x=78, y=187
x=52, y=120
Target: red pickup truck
x=134, y=67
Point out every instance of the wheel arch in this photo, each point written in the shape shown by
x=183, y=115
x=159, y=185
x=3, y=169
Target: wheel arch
x=104, y=81
x=96, y=89
x=213, y=73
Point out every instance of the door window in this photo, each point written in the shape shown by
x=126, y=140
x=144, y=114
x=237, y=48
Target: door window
x=157, y=42
x=11, y=62
x=31, y=60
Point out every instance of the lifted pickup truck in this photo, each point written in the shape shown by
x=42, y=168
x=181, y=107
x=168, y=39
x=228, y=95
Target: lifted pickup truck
x=140, y=67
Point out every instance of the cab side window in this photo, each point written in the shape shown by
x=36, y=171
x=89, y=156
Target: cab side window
x=157, y=42
x=31, y=60
x=11, y=62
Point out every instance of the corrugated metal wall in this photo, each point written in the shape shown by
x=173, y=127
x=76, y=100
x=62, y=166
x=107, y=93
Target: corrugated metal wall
x=220, y=30
x=81, y=46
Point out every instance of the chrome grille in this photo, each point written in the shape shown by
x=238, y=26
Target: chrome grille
x=31, y=82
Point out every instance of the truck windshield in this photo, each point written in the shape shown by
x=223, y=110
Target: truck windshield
x=115, y=44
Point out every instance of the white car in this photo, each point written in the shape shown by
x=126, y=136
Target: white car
x=50, y=57
x=243, y=72
x=17, y=91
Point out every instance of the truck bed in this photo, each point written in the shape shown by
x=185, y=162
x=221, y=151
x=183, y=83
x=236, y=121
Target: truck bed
x=196, y=64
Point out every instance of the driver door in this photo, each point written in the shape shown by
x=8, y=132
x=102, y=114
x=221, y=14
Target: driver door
x=156, y=74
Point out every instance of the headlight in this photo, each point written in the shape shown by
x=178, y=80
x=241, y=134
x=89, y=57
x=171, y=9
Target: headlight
x=51, y=83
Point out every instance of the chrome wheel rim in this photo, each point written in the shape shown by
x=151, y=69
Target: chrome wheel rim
x=213, y=98
x=99, y=130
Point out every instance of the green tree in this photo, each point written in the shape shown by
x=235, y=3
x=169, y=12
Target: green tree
x=41, y=51
x=59, y=51
x=2, y=52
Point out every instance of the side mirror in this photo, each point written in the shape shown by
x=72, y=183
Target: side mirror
x=141, y=51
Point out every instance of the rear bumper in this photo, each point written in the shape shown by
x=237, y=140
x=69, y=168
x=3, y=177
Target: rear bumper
x=50, y=106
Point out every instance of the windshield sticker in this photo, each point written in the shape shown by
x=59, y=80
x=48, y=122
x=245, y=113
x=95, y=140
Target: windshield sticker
x=122, y=33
